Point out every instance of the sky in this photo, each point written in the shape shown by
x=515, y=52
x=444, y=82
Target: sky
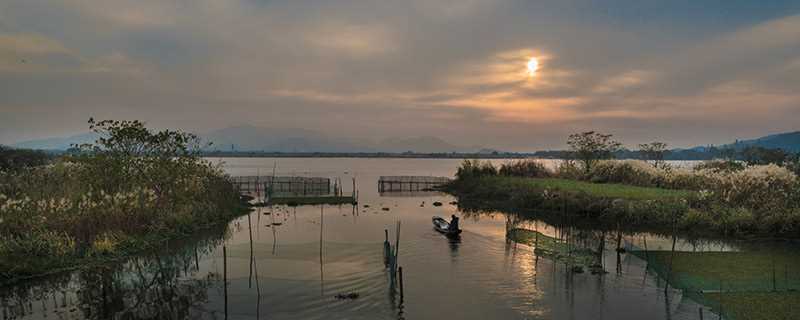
x=685, y=72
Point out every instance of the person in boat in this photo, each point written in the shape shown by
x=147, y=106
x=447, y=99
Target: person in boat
x=453, y=224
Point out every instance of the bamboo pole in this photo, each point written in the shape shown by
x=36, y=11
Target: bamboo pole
x=401, y=284
x=225, y=276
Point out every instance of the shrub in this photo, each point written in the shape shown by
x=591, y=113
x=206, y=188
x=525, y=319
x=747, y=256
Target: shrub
x=687, y=179
x=631, y=172
x=758, y=187
x=793, y=164
x=529, y=168
x=17, y=159
x=569, y=169
x=38, y=244
x=106, y=243
x=474, y=169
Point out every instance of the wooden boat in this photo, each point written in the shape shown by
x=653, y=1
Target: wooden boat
x=441, y=225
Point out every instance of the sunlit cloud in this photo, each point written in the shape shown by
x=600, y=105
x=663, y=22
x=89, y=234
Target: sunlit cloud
x=352, y=40
x=625, y=81
x=446, y=66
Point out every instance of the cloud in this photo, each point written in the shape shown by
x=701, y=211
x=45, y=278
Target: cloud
x=34, y=44
x=448, y=68
x=25, y=51
x=351, y=40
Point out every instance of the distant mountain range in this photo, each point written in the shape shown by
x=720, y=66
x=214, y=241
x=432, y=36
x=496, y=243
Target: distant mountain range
x=248, y=138
x=252, y=138
x=789, y=141
x=57, y=144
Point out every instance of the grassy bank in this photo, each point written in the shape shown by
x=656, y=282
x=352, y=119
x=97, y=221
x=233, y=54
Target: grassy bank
x=129, y=192
x=579, y=202
x=715, y=199
x=609, y=190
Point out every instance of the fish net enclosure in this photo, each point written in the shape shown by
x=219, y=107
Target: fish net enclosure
x=723, y=280
x=284, y=185
x=410, y=183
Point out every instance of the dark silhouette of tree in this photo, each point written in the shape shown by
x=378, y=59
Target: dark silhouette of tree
x=655, y=152
x=590, y=147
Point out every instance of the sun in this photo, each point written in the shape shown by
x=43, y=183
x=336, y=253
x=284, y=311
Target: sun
x=533, y=65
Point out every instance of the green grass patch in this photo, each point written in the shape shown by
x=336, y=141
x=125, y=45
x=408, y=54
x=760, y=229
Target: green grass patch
x=756, y=305
x=607, y=190
x=754, y=285
x=738, y=271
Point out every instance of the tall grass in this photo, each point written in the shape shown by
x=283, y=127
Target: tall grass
x=475, y=168
x=525, y=168
x=104, y=203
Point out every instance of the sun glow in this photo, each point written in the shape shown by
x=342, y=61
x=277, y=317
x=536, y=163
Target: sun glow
x=533, y=65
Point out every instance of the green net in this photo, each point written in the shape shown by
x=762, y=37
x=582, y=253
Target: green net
x=737, y=284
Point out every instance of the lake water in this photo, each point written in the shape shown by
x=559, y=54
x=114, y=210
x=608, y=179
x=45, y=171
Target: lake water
x=290, y=263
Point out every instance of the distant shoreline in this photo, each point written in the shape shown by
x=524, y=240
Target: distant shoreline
x=555, y=154
x=366, y=155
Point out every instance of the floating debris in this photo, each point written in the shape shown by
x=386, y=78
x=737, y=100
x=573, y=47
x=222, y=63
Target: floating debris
x=267, y=213
x=366, y=206
x=385, y=209
x=276, y=223
x=347, y=296
x=454, y=203
x=437, y=204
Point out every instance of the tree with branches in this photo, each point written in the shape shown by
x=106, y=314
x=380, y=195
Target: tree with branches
x=655, y=152
x=590, y=147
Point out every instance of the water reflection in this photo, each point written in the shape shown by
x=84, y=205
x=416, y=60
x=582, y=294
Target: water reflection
x=290, y=262
x=163, y=286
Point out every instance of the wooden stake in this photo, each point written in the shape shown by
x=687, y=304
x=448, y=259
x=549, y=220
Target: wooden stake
x=401, y=284
x=225, y=276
